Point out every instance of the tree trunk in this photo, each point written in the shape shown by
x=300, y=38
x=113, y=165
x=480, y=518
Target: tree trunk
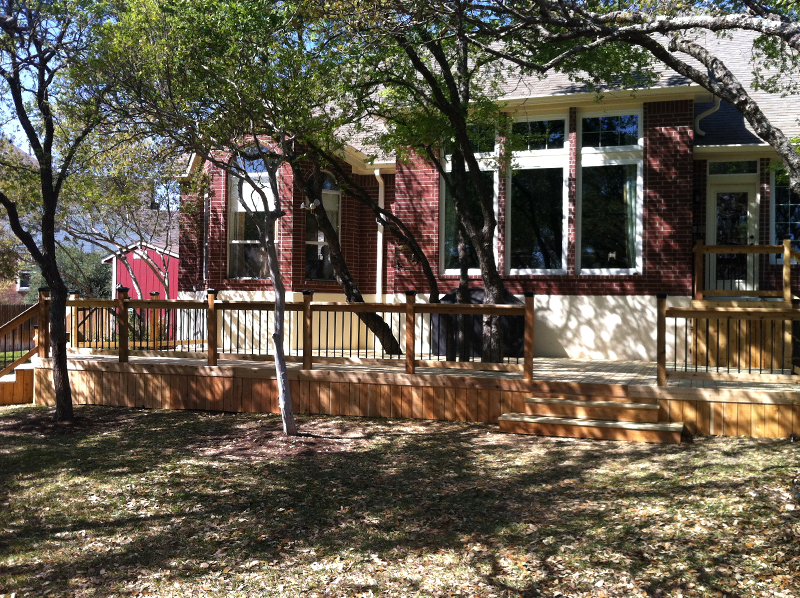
x=58, y=353
x=284, y=393
x=375, y=323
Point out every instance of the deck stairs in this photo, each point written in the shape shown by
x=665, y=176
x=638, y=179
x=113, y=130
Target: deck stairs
x=16, y=388
x=584, y=416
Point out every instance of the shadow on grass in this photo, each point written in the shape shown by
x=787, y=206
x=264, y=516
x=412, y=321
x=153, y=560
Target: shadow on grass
x=145, y=491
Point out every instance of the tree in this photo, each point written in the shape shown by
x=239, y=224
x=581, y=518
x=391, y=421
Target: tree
x=83, y=271
x=440, y=96
x=253, y=84
x=516, y=32
x=39, y=42
x=130, y=189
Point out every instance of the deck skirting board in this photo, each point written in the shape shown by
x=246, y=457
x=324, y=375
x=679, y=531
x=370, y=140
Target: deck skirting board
x=161, y=384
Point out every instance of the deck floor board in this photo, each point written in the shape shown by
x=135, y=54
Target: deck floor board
x=596, y=371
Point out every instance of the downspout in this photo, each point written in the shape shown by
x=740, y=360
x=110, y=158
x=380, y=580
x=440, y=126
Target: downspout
x=206, y=218
x=379, y=253
x=114, y=266
x=709, y=112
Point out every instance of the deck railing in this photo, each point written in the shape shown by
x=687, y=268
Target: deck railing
x=758, y=271
x=18, y=340
x=726, y=343
x=411, y=334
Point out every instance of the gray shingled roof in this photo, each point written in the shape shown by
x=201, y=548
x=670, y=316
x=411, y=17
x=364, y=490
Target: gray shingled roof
x=725, y=127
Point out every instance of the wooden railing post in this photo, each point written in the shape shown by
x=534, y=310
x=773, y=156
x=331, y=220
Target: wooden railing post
x=308, y=322
x=154, y=323
x=211, y=327
x=661, y=339
x=527, y=366
x=123, y=324
x=699, y=269
x=73, y=320
x=411, y=297
x=44, y=322
x=787, y=272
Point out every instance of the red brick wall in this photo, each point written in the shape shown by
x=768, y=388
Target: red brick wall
x=190, y=244
x=416, y=203
x=667, y=218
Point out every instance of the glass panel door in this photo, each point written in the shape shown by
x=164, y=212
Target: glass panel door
x=733, y=222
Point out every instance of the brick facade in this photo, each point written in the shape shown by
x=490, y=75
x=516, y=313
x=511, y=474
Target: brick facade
x=673, y=206
x=667, y=217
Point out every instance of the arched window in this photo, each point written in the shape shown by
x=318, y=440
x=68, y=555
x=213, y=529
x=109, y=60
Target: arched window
x=318, y=260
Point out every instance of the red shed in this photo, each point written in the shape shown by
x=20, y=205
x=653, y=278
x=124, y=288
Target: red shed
x=144, y=260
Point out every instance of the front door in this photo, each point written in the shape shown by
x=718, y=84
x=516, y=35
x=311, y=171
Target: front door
x=732, y=220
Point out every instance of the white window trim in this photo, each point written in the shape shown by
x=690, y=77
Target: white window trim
x=486, y=165
x=231, y=196
x=20, y=287
x=639, y=147
x=609, y=160
x=556, y=158
x=608, y=156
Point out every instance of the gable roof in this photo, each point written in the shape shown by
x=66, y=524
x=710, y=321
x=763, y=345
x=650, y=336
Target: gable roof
x=133, y=247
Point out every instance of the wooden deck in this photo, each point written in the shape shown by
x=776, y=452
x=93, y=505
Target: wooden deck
x=726, y=407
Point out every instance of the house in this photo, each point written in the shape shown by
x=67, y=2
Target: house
x=153, y=266
x=602, y=211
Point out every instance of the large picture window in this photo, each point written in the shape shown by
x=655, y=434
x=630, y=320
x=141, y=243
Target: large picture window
x=609, y=217
x=246, y=256
x=318, y=258
x=537, y=219
x=450, y=229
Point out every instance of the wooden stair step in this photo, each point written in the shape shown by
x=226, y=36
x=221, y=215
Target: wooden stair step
x=521, y=423
x=593, y=398
x=577, y=408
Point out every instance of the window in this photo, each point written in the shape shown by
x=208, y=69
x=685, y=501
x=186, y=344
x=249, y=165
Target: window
x=532, y=135
x=482, y=139
x=609, y=210
x=23, y=281
x=610, y=131
x=246, y=257
x=318, y=259
x=537, y=219
x=609, y=217
x=450, y=229
x=536, y=202
x=787, y=211
x=737, y=167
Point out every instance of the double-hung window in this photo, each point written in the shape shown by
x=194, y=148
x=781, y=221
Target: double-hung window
x=246, y=257
x=537, y=196
x=609, y=224
x=318, y=258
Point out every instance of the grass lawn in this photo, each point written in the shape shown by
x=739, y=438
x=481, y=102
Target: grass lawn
x=135, y=503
